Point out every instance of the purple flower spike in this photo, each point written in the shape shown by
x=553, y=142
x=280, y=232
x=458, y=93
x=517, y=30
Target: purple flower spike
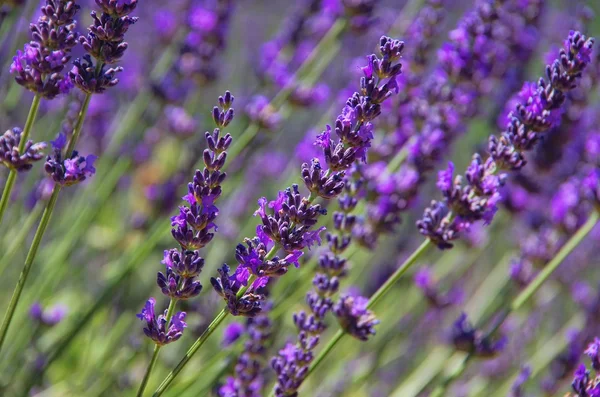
x=593, y=352
x=474, y=197
x=468, y=339
x=156, y=327
x=232, y=333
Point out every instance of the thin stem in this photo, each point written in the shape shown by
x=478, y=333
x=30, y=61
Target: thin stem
x=157, y=347
x=12, y=175
x=556, y=261
x=192, y=350
x=39, y=234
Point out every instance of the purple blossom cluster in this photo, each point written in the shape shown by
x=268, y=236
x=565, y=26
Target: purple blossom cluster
x=475, y=196
x=11, y=156
x=584, y=384
x=39, y=67
x=68, y=171
x=105, y=42
x=192, y=228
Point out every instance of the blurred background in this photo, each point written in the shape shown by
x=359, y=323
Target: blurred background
x=98, y=261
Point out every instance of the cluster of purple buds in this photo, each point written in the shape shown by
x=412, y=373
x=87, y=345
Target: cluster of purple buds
x=466, y=338
x=68, y=171
x=105, y=42
x=40, y=65
x=584, y=384
x=425, y=282
x=463, y=205
x=248, y=380
x=178, y=281
x=354, y=317
x=9, y=151
x=157, y=328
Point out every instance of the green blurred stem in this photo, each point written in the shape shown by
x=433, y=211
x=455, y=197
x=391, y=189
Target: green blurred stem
x=18, y=237
x=12, y=175
x=39, y=234
x=157, y=347
x=526, y=294
x=207, y=332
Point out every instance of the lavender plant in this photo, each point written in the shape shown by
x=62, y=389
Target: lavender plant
x=512, y=289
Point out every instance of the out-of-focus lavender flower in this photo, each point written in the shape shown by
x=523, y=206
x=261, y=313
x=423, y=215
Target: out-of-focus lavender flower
x=71, y=171
x=9, y=151
x=468, y=339
x=232, y=333
x=157, y=328
x=354, y=317
x=516, y=390
x=40, y=65
x=209, y=24
x=260, y=111
x=105, y=42
x=477, y=199
x=49, y=316
x=248, y=379
x=424, y=281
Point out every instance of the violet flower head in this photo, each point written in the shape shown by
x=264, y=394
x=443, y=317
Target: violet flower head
x=68, y=171
x=424, y=281
x=354, y=317
x=9, y=151
x=105, y=42
x=40, y=65
x=593, y=352
x=474, y=197
x=157, y=328
x=248, y=304
x=178, y=281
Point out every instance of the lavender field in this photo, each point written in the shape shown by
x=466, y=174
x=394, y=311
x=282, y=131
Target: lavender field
x=300, y=198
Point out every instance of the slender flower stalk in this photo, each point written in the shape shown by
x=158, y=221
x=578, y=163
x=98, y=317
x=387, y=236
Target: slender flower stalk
x=287, y=222
x=105, y=41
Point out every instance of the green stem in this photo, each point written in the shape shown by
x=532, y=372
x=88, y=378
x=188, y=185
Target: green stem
x=157, y=347
x=192, y=350
x=12, y=175
x=556, y=261
x=440, y=391
x=39, y=234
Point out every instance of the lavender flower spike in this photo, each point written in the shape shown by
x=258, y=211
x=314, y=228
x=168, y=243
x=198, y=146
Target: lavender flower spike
x=474, y=197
